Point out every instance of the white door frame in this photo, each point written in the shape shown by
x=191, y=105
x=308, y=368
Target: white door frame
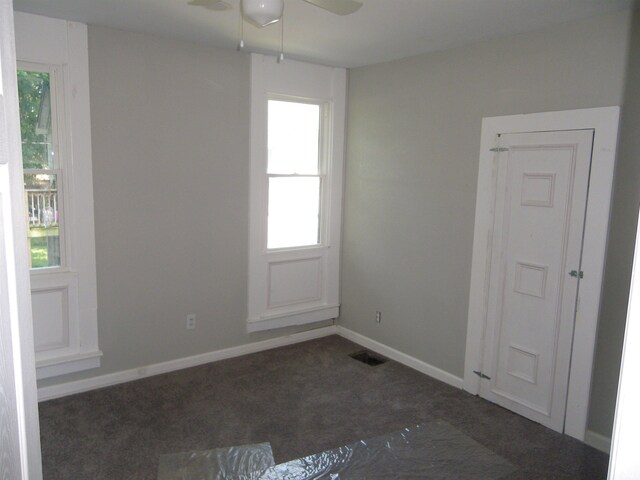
x=19, y=407
x=625, y=462
x=604, y=122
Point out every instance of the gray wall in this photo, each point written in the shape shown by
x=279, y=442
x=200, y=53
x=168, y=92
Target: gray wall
x=170, y=128
x=621, y=244
x=171, y=151
x=412, y=165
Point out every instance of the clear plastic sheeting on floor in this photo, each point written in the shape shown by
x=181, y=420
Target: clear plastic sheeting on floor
x=435, y=451
x=432, y=451
x=246, y=462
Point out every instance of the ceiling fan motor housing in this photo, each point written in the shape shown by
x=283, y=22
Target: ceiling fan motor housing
x=263, y=12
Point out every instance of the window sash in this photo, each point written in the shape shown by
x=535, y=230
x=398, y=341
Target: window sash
x=293, y=221
x=56, y=98
x=317, y=164
x=321, y=174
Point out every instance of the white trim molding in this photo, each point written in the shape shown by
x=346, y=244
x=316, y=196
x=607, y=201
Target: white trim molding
x=298, y=317
x=297, y=285
x=64, y=365
x=19, y=425
x=598, y=441
x=66, y=341
x=624, y=462
x=604, y=123
x=79, y=386
x=400, y=357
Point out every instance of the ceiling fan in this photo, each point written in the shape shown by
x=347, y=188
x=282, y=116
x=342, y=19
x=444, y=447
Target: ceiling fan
x=265, y=12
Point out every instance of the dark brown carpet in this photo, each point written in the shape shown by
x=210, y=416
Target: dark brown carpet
x=303, y=399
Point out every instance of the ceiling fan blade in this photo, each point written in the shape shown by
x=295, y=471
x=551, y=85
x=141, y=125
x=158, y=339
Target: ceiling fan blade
x=216, y=5
x=339, y=7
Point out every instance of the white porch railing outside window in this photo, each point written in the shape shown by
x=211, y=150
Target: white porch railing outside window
x=42, y=208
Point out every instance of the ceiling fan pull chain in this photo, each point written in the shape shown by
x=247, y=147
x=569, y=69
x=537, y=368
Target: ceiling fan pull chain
x=241, y=42
x=281, y=55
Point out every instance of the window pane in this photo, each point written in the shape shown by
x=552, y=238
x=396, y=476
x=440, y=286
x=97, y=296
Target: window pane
x=35, y=120
x=293, y=137
x=294, y=210
x=41, y=191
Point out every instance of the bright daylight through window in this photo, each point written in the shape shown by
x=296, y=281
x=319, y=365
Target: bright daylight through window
x=294, y=171
x=42, y=174
x=297, y=144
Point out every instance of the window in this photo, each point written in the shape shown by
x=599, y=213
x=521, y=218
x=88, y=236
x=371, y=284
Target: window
x=38, y=95
x=55, y=124
x=294, y=174
x=297, y=146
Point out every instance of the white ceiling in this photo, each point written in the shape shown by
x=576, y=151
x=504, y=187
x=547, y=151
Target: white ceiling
x=381, y=30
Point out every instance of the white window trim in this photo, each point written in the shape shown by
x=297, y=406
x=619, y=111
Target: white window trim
x=293, y=80
x=47, y=41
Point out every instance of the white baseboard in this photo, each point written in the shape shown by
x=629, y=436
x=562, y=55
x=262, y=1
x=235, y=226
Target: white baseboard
x=70, y=388
x=79, y=386
x=593, y=439
x=400, y=357
x=597, y=441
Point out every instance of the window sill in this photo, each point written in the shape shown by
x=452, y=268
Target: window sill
x=292, y=318
x=72, y=363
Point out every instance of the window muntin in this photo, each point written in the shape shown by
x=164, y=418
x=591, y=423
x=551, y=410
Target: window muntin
x=294, y=171
x=37, y=93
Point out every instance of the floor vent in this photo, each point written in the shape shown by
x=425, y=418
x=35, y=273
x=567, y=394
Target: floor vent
x=370, y=358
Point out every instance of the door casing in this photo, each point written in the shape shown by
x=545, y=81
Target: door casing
x=604, y=121
x=20, y=442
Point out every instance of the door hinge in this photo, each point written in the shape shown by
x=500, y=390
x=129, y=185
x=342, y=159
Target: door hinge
x=499, y=149
x=576, y=274
x=481, y=375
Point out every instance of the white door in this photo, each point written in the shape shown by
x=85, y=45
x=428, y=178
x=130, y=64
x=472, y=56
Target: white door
x=541, y=195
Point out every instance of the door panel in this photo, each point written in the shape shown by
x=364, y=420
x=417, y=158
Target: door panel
x=540, y=208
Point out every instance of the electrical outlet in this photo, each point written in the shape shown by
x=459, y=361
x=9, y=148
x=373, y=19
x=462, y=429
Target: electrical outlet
x=191, y=321
x=378, y=317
